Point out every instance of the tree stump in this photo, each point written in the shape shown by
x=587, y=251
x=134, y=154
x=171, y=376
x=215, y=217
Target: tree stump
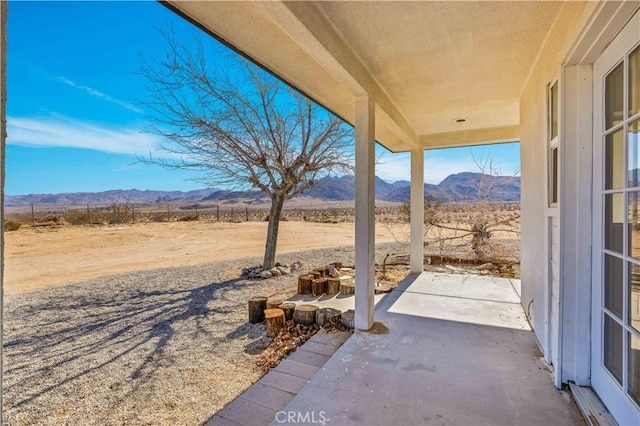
x=288, y=309
x=318, y=287
x=327, y=316
x=305, y=314
x=338, y=265
x=333, y=286
x=275, y=321
x=317, y=274
x=304, y=283
x=347, y=288
x=348, y=318
x=257, y=305
x=273, y=303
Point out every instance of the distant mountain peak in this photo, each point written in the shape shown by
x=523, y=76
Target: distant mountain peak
x=462, y=186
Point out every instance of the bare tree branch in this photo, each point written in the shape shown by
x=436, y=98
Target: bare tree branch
x=240, y=126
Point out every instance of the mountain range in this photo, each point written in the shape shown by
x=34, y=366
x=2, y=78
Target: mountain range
x=457, y=187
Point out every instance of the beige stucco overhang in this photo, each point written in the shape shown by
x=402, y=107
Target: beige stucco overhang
x=427, y=64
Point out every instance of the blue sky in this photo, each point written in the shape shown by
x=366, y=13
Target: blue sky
x=72, y=117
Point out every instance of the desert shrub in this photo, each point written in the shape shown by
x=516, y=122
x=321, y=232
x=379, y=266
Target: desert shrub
x=77, y=217
x=53, y=219
x=11, y=225
x=189, y=218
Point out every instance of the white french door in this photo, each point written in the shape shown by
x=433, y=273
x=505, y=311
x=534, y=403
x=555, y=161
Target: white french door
x=615, y=349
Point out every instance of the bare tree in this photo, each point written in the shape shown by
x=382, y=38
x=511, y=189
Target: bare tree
x=240, y=126
x=475, y=219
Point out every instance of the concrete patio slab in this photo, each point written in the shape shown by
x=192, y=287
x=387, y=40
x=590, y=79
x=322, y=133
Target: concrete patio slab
x=466, y=286
x=413, y=368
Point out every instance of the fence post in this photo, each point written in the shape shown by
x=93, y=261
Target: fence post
x=89, y=215
x=168, y=213
x=133, y=213
x=217, y=213
x=246, y=210
x=33, y=217
x=231, y=213
x=196, y=210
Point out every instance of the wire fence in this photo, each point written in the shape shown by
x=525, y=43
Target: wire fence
x=37, y=215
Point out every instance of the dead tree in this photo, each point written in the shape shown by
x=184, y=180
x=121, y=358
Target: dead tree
x=238, y=125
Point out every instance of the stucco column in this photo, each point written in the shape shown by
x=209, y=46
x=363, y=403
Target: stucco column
x=3, y=136
x=365, y=212
x=417, y=211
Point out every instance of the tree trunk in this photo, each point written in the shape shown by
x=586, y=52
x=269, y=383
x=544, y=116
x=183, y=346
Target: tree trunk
x=288, y=309
x=257, y=305
x=305, y=314
x=304, y=284
x=275, y=321
x=333, y=286
x=277, y=201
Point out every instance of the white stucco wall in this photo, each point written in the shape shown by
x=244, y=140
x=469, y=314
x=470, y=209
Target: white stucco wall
x=533, y=121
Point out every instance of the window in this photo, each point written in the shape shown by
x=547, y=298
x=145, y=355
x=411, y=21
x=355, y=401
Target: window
x=553, y=142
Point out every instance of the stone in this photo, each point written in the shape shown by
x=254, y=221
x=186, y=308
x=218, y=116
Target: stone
x=275, y=272
x=333, y=272
x=283, y=270
x=295, y=266
x=265, y=275
x=486, y=267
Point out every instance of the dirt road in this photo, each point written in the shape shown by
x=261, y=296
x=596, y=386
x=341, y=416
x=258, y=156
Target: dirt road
x=35, y=259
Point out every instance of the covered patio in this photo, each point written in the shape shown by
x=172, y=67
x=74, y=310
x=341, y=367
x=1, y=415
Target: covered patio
x=445, y=349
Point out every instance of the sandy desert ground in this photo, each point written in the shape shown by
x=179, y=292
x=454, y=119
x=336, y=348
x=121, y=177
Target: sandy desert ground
x=43, y=257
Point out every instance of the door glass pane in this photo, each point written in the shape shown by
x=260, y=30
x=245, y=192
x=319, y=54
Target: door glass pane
x=634, y=367
x=634, y=82
x=634, y=154
x=614, y=160
x=634, y=223
x=614, y=222
x=613, y=284
x=613, y=347
x=553, y=110
x=553, y=176
x=614, y=96
x=634, y=296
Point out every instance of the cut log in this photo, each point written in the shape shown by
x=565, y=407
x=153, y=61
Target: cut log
x=327, y=316
x=274, y=319
x=348, y=318
x=304, y=283
x=316, y=274
x=273, y=303
x=338, y=265
x=305, y=314
x=318, y=287
x=257, y=305
x=333, y=286
x=347, y=288
x=288, y=309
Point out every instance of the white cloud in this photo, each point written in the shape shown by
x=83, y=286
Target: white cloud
x=394, y=167
x=61, y=131
x=98, y=94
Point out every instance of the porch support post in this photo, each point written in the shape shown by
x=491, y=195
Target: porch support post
x=417, y=211
x=365, y=213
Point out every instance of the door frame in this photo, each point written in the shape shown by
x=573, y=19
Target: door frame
x=615, y=398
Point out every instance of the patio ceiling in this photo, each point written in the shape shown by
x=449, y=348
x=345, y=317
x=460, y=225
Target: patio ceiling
x=427, y=64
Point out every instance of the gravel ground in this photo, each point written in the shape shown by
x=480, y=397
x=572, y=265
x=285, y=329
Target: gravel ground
x=167, y=346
